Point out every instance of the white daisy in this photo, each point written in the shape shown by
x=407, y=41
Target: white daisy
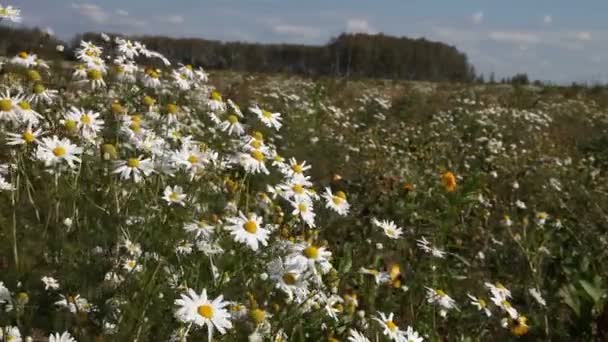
x=412, y=336
x=480, y=304
x=54, y=150
x=50, y=283
x=307, y=257
x=248, y=230
x=12, y=334
x=253, y=162
x=390, y=229
x=10, y=13
x=232, y=125
x=356, y=336
x=64, y=337
x=87, y=122
x=268, y=118
x=442, y=299
x=287, y=278
x=389, y=327
x=174, y=195
x=200, y=311
x=337, y=202
x=134, y=166
x=304, y=209
x=28, y=136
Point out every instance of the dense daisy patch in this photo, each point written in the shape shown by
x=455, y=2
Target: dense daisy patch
x=147, y=200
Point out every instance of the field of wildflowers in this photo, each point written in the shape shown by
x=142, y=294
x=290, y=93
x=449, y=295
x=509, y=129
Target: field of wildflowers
x=148, y=201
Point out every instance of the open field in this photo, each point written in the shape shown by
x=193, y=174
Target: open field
x=310, y=210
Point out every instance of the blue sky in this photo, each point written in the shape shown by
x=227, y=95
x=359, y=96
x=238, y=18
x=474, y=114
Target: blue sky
x=555, y=40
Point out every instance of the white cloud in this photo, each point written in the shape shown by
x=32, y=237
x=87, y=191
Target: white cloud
x=548, y=19
x=173, y=19
x=307, y=32
x=122, y=12
x=92, y=12
x=514, y=37
x=359, y=26
x=583, y=36
x=477, y=17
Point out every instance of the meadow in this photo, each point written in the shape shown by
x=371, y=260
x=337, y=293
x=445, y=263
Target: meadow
x=144, y=200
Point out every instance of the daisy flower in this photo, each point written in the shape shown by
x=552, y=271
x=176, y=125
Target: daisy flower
x=54, y=150
x=389, y=227
x=442, y=299
x=10, y=13
x=64, y=337
x=8, y=107
x=304, y=208
x=379, y=277
x=174, y=195
x=412, y=336
x=215, y=103
x=201, y=229
x=25, y=113
x=272, y=120
x=50, y=283
x=12, y=334
x=336, y=202
x=41, y=94
x=232, y=125
x=425, y=245
x=134, y=166
x=87, y=122
x=248, y=230
x=287, y=278
x=24, y=59
x=28, y=136
x=480, y=304
x=389, y=327
x=253, y=162
x=201, y=311
x=151, y=78
x=356, y=336
x=306, y=257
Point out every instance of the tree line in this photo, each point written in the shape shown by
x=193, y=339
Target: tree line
x=348, y=55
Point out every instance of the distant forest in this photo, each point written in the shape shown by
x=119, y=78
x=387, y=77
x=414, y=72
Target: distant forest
x=348, y=55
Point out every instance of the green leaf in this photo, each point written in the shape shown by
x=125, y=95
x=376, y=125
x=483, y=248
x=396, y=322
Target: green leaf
x=568, y=294
x=594, y=292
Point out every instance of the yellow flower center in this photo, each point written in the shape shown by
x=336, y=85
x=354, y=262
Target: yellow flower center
x=257, y=155
x=172, y=108
x=86, y=119
x=192, y=159
x=94, y=75
x=267, y=114
x=297, y=168
x=6, y=105
x=135, y=126
x=59, y=151
x=289, y=278
x=311, y=252
x=391, y=325
x=152, y=73
x=482, y=303
x=337, y=200
x=233, y=119
x=148, y=101
x=440, y=293
x=205, y=311
x=39, y=88
x=215, y=95
x=258, y=316
x=298, y=189
x=251, y=226
x=256, y=144
x=302, y=208
x=174, y=196
x=28, y=136
x=258, y=136
x=133, y=162
x=117, y=108
x=24, y=105
x=34, y=75
x=70, y=125
x=23, y=54
x=188, y=66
